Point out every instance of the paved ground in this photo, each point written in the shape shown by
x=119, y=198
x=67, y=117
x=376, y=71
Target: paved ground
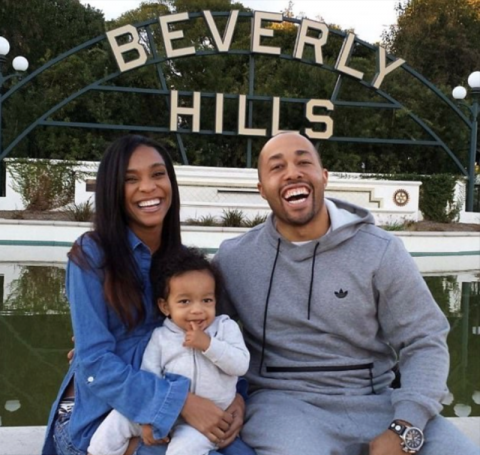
x=28, y=440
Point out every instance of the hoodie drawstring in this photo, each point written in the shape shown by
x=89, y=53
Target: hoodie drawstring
x=311, y=279
x=264, y=335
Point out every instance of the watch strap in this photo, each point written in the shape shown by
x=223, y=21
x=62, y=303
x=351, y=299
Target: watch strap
x=397, y=427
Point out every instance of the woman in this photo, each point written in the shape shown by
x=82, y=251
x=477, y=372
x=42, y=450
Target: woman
x=108, y=287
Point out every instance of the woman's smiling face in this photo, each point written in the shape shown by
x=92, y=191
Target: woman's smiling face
x=148, y=190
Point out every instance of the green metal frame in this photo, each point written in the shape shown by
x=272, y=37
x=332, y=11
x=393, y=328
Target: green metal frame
x=157, y=60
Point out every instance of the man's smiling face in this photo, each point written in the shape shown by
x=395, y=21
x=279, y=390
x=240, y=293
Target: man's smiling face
x=292, y=180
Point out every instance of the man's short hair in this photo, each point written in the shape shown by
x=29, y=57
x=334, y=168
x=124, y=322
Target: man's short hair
x=315, y=145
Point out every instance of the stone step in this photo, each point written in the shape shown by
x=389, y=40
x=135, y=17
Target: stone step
x=28, y=440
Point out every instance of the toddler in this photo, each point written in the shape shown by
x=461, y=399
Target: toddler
x=192, y=342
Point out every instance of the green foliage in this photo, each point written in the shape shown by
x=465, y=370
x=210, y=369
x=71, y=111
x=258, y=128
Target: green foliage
x=397, y=226
x=62, y=25
x=205, y=220
x=229, y=218
x=437, y=194
x=43, y=184
x=439, y=38
x=36, y=28
x=257, y=219
x=81, y=212
x=232, y=218
x=437, y=198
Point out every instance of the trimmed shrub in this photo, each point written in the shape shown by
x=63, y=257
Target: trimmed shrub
x=43, y=184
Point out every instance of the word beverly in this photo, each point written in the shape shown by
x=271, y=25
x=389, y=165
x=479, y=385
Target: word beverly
x=222, y=45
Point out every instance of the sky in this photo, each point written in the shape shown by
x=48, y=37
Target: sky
x=369, y=18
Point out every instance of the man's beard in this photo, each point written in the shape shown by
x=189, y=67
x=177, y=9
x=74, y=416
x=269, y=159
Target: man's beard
x=302, y=220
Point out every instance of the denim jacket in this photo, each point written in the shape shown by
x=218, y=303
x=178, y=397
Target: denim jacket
x=107, y=357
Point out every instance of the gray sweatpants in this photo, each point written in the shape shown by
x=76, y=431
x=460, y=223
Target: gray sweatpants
x=289, y=423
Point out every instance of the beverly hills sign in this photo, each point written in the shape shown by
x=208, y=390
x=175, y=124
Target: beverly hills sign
x=259, y=34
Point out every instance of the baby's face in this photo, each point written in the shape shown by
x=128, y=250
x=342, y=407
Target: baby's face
x=191, y=299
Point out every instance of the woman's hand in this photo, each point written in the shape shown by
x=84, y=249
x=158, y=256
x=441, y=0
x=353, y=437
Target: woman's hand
x=207, y=418
x=237, y=411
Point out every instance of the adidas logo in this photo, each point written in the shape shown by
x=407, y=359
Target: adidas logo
x=341, y=294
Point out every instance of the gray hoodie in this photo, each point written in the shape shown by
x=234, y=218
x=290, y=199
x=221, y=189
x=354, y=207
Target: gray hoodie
x=334, y=316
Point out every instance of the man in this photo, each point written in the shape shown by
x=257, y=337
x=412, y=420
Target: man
x=329, y=304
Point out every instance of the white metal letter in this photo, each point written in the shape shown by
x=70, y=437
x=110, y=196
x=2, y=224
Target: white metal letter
x=258, y=32
x=176, y=110
x=344, y=56
x=325, y=119
x=242, y=114
x=317, y=43
x=222, y=45
x=219, y=113
x=276, y=117
x=382, y=68
x=169, y=36
x=119, y=50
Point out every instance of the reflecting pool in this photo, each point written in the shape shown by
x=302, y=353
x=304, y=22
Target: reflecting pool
x=35, y=335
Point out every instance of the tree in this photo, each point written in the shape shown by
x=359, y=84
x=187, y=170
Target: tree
x=38, y=28
x=41, y=30
x=439, y=38
x=229, y=74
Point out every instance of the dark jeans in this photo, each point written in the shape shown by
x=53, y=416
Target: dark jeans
x=237, y=447
x=61, y=436
x=63, y=442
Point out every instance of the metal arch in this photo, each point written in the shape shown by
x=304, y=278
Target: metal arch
x=163, y=83
x=96, y=86
x=157, y=60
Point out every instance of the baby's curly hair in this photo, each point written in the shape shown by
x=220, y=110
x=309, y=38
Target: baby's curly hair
x=186, y=259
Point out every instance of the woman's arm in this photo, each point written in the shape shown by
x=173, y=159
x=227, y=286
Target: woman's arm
x=139, y=395
x=99, y=368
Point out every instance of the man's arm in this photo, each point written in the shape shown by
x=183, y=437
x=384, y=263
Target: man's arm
x=413, y=324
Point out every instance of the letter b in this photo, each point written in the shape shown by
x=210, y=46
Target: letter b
x=119, y=50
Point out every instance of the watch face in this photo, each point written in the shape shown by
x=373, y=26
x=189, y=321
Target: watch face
x=413, y=438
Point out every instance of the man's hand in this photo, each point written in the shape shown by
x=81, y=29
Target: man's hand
x=237, y=411
x=196, y=338
x=71, y=353
x=149, y=440
x=388, y=443
x=207, y=418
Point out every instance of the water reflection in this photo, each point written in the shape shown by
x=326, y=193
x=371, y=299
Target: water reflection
x=35, y=335
x=459, y=297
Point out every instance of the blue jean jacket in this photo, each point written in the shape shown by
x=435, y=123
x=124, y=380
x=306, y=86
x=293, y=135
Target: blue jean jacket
x=108, y=357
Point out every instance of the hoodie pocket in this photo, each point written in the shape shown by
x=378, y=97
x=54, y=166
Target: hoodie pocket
x=317, y=369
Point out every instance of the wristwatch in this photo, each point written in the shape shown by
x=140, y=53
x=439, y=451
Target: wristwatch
x=412, y=437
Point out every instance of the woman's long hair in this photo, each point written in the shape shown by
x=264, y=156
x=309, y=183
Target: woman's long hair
x=122, y=280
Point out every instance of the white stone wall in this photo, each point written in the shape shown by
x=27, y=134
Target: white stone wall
x=209, y=191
